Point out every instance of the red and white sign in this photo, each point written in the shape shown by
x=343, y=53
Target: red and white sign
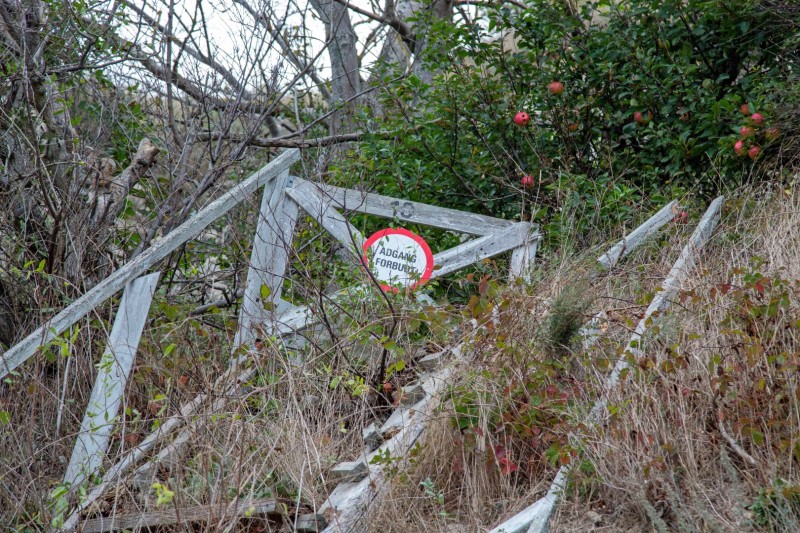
x=398, y=258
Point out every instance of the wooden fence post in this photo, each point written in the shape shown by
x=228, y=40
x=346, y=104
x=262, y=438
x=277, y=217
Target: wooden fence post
x=112, y=375
x=523, y=257
x=263, y=287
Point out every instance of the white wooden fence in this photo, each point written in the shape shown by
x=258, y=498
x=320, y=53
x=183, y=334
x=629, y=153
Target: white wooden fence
x=283, y=198
x=263, y=309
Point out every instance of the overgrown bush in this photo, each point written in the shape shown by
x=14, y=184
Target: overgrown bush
x=686, y=66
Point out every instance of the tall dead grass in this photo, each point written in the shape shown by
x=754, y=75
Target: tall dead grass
x=703, y=434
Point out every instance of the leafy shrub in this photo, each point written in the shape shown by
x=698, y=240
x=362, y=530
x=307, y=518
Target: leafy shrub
x=686, y=66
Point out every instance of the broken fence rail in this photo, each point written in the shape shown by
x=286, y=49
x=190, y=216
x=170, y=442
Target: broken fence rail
x=535, y=518
x=115, y=282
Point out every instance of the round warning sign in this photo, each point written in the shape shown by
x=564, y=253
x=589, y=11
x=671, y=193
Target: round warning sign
x=398, y=258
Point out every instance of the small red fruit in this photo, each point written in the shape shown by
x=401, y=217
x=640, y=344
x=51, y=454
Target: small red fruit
x=757, y=118
x=555, y=88
x=753, y=152
x=684, y=117
x=746, y=131
x=681, y=217
x=771, y=133
x=641, y=118
x=522, y=118
x=572, y=126
x=739, y=148
x=527, y=181
x=744, y=109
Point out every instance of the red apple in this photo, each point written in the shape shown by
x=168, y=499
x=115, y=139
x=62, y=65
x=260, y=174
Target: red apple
x=744, y=109
x=757, y=118
x=772, y=133
x=522, y=118
x=555, y=87
x=642, y=118
x=527, y=181
x=746, y=131
x=753, y=152
x=739, y=148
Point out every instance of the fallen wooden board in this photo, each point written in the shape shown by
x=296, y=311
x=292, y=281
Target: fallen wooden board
x=349, y=502
x=53, y=327
x=415, y=212
x=112, y=375
x=187, y=515
x=637, y=236
x=535, y=519
x=677, y=274
x=230, y=378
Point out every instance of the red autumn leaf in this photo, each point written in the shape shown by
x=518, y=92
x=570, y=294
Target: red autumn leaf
x=759, y=287
x=507, y=466
x=500, y=451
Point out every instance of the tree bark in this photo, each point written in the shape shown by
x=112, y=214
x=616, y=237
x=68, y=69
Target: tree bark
x=345, y=76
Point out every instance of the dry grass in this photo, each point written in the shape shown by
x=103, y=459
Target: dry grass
x=704, y=434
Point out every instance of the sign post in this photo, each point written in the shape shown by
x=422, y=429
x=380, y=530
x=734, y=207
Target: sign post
x=398, y=258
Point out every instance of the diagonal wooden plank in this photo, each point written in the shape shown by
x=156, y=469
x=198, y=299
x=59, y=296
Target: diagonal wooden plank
x=313, y=201
x=478, y=249
x=535, y=519
x=415, y=212
x=113, y=371
x=187, y=515
x=349, y=502
x=19, y=353
x=637, y=236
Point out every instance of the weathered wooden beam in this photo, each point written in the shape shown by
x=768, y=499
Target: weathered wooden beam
x=230, y=378
x=314, y=202
x=269, y=260
x=187, y=515
x=478, y=249
x=268, y=256
x=20, y=353
x=415, y=212
x=535, y=519
x=677, y=274
x=637, y=236
x=349, y=502
x=522, y=259
x=112, y=375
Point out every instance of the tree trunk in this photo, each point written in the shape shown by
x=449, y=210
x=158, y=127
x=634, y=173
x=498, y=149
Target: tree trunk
x=345, y=77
